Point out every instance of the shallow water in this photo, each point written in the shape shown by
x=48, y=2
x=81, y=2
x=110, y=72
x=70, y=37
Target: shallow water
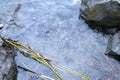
x=53, y=28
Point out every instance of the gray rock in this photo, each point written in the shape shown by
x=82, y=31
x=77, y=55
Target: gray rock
x=116, y=43
x=8, y=69
x=113, y=48
x=53, y=29
x=101, y=13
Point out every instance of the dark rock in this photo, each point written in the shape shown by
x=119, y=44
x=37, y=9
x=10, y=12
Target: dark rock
x=103, y=16
x=114, y=55
x=8, y=68
x=113, y=48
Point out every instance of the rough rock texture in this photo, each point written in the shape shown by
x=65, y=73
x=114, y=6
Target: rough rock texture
x=52, y=28
x=102, y=15
x=113, y=48
x=116, y=43
x=8, y=69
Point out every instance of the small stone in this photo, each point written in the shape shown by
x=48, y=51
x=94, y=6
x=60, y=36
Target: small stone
x=113, y=48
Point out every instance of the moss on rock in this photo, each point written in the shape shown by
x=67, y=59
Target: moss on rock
x=104, y=15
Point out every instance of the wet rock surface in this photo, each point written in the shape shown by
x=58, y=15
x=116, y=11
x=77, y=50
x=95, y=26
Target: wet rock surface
x=8, y=68
x=101, y=15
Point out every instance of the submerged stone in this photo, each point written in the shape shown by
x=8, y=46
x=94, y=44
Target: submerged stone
x=103, y=16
